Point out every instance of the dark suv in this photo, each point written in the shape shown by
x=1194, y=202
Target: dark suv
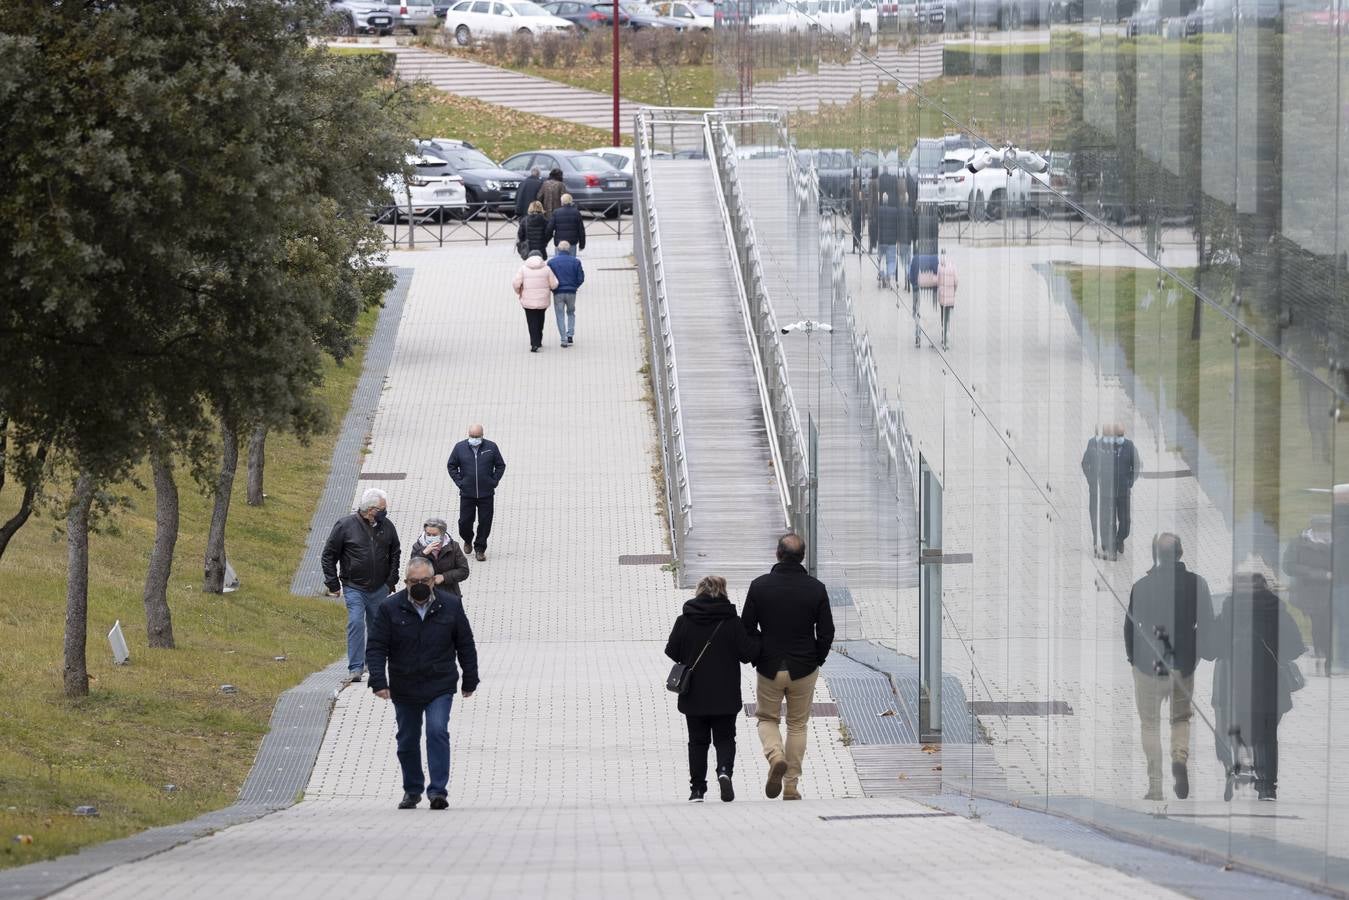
x=484, y=181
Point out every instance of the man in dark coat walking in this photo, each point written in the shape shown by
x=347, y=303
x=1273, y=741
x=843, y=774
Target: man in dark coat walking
x=1170, y=612
x=1091, y=462
x=476, y=468
x=710, y=637
x=528, y=193
x=1117, y=471
x=887, y=235
x=417, y=636
x=789, y=610
x=568, y=225
x=361, y=559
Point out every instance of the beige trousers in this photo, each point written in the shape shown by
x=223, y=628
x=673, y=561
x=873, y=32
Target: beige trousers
x=1150, y=691
x=799, y=694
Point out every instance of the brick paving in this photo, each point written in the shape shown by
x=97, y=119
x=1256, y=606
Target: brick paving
x=568, y=764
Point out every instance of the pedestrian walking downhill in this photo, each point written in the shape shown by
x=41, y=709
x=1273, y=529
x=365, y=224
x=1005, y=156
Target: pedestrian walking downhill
x=476, y=467
x=437, y=547
x=1117, y=469
x=417, y=637
x=361, y=559
x=710, y=639
x=1091, y=462
x=948, y=280
x=789, y=610
x=570, y=275
x=534, y=285
x=550, y=193
x=568, y=225
x=887, y=235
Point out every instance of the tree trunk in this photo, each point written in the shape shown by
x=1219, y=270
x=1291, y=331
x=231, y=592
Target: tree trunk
x=214, y=582
x=17, y=521
x=158, y=621
x=257, y=461
x=76, y=672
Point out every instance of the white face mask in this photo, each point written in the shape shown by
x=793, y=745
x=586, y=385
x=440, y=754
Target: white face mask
x=474, y=442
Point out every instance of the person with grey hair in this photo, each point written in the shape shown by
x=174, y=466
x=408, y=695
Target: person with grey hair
x=570, y=276
x=436, y=546
x=360, y=559
x=417, y=636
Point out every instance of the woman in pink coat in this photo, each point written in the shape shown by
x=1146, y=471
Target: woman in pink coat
x=534, y=285
x=948, y=279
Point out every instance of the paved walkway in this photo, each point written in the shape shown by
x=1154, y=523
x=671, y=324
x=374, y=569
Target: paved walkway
x=568, y=763
x=503, y=87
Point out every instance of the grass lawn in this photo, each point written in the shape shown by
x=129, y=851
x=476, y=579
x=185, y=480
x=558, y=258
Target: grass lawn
x=682, y=85
x=498, y=130
x=1272, y=460
x=162, y=719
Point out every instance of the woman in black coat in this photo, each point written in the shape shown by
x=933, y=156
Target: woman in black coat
x=1254, y=641
x=436, y=546
x=536, y=230
x=709, y=638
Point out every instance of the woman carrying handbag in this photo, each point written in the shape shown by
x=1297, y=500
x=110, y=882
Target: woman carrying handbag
x=708, y=644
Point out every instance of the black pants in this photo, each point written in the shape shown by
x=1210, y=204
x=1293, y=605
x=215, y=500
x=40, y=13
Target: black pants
x=483, y=507
x=1113, y=509
x=1261, y=736
x=1122, y=519
x=705, y=731
x=535, y=319
x=1091, y=512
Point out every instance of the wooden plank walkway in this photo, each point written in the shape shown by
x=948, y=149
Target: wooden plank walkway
x=737, y=510
x=503, y=87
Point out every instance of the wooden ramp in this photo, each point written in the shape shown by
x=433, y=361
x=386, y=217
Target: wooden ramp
x=737, y=510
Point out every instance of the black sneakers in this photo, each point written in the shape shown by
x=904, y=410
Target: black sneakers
x=697, y=794
x=439, y=802
x=411, y=800
x=727, y=791
x=1182, y=777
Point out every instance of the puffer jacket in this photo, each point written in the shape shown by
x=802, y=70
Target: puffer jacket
x=536, y=230
x=569, y=226
x=947, y=282
x=535, y=283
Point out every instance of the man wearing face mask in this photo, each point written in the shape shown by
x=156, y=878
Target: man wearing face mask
x=476, y=467
x=417, y=635
x=365, y=546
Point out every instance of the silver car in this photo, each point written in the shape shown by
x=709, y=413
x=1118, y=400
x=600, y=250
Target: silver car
x=414, y=14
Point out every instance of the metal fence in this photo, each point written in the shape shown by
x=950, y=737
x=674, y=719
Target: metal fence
x=483, y=223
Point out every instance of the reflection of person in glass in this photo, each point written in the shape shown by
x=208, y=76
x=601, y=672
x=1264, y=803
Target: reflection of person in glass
x=1169, y=608
x=887, y=234
x=1309, y=560
x=1091, y=459
x=948, y=280
x=1254, y=641
x=856, y=202
x=1118, y=468
x=873, y=204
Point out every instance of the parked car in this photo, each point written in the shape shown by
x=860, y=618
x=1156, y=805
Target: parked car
x=696, y=15
x=484, y=181
x=470, y=19
x=834, y=169
x=1163, y=17
x=1048, y=194
x=593, y=183
x=585, y=16
x=775, y=15
x=414, y=14
x=640, y=15
x=621, y=157
x=360, y=17
x=930, y=15
x=431, y=191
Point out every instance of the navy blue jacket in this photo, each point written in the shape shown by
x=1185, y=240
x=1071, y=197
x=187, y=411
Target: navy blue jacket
x=570, y=274
x=569, y=226
x=419, y=654
x=476, y=471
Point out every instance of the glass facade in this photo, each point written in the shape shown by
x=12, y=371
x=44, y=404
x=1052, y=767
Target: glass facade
x=1087, y=284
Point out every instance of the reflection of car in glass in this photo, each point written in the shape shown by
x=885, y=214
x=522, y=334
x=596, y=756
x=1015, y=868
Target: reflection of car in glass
x=1164, y=17
x=774, y=15
x=586, y=16
x=834, y=169
x=924, y=167
x=1211, y=17
x=621, y=157
x=640, y=16
x=696, y=15
x=484, y=181
x=431, y=191
x=469, y=19
x=1260, y=13
x=593, y=183
x=1051, y=192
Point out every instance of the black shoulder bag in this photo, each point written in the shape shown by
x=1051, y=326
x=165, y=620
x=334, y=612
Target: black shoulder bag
x=680, y=674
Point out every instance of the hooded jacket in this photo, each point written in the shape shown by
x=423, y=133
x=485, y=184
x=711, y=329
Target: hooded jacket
x=535, y=283
x=714, y=685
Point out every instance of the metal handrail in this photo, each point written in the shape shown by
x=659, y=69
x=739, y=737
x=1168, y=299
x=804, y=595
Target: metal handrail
x=665, y=369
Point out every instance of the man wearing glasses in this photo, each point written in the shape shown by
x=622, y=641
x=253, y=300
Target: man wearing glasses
x=414, y=641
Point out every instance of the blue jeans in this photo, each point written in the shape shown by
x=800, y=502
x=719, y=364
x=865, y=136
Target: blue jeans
x=564, y=311
x=361, y=609
x=437, y=716
x=905, y=257
x=889, y=250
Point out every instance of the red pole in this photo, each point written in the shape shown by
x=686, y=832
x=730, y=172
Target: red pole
x=617, y=11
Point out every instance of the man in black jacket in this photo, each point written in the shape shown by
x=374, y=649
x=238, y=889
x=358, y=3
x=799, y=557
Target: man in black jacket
x=887, y=235
x=365, y=545
x=568, y=225
x=528, y=193
x=790, y=610
x=1169, y=610
x=417, y=635
x=476, y=467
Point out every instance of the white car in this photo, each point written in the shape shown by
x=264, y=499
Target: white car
x=697, y=15
x=433, y=190
x=621, y=157
x=469, y=20
x=776, y=16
